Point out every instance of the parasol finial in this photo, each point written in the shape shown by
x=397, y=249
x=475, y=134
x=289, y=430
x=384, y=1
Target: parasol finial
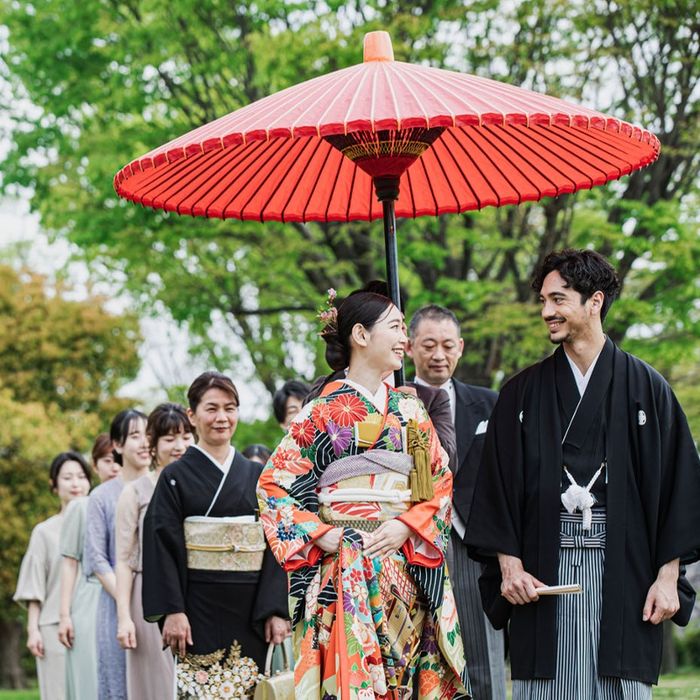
x=377, y=47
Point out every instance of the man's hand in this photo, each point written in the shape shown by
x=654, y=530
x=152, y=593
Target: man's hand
x=518, y=587
x=126, y=634
x=662, y=599
x=35, y=643
x=277, y=629
x=66, y=634
x=330, y=542
x=388, y=538
x=177, y=633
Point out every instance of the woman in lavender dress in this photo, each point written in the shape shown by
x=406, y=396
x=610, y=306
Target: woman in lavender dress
x=128, y=434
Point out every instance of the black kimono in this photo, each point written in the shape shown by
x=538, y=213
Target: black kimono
x=221, y=606
x=651, y=497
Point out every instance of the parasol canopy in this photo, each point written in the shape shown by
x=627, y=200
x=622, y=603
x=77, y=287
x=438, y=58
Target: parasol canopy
x=384, y=139
x=456, y=142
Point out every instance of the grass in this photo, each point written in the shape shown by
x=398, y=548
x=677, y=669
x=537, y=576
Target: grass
x=684, y=685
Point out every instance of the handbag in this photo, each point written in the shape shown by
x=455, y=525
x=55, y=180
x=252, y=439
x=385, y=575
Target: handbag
x=279, y=686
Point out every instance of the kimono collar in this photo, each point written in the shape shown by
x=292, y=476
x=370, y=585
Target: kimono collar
x=227, y=462
x=378, y=400
x=592, y=399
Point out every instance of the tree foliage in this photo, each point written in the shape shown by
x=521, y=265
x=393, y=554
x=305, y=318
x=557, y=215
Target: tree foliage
x=61, y=362
x=113, y=78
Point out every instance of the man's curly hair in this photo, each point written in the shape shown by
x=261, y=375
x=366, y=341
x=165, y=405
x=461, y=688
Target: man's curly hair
x=585, y=271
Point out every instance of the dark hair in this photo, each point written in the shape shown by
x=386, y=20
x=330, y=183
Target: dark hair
x=431, y=312
x=585, y=271
x=260, y=451
x=293, y=387
x=101, y=448
x=362, y=307
x=60, y=459
x=210, y=380
x=380, y=287
x=165, y=419
x=119, y=429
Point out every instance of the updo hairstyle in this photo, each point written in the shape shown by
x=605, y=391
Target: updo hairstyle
x=210, y=380
x=365, y=308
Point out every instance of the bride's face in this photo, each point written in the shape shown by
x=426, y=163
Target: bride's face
x=386, y=341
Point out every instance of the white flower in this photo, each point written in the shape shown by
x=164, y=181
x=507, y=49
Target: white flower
x=284, y=478
x=312, y=595
x=409, y=409
x=376, y=671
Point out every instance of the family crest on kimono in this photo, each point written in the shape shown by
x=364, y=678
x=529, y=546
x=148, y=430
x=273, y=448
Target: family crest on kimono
x=209, y=579
x=356, y=504
x=590, y=476
x=39, y=582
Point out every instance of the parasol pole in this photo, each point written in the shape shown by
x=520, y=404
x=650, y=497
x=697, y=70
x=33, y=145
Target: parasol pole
x=387, y=189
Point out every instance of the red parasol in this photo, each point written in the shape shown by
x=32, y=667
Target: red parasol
x=420, y=140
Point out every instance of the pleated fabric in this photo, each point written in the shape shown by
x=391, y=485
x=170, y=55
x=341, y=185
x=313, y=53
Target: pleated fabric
x=581, y=560
x=483, y=645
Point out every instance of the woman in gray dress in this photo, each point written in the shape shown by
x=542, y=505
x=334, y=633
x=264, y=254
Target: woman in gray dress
x=38, y=585
x=79, y=594
x=150, y=670
x=128, y=435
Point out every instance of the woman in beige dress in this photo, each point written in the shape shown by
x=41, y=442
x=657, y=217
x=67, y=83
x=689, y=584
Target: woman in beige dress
x=38, y=585
x=149, y=670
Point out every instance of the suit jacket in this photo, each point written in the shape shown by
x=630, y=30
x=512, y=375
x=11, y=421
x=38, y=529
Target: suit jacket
x=474, y=406
x=435, y=400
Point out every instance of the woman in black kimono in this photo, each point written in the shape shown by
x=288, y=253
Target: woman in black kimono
x=208, y=579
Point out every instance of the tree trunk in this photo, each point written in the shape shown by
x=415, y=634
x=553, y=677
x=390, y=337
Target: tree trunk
x=11, y=672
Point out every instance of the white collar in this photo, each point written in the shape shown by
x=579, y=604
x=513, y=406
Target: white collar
x=378, y=399
x=448, y=386
x=582, y=379
x=227, y=462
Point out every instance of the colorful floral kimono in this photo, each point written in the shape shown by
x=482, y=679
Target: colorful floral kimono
x=363, y=627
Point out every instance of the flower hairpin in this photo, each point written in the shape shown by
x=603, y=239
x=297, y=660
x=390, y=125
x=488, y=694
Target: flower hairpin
x=328, y=314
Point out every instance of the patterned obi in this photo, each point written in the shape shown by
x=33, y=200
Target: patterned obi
x=224, y=544
x=362, y=491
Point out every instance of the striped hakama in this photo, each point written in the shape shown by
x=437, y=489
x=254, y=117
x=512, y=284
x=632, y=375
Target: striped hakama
x=581, y=560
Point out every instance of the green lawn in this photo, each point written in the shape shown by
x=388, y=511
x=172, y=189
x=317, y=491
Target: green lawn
x=682, y=686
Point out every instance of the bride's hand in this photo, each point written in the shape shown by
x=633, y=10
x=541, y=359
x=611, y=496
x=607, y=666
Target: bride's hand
x=330, y=542
x=389, y=537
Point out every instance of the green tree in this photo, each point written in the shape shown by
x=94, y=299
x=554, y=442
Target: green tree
x=113, y=79
x=60, y=363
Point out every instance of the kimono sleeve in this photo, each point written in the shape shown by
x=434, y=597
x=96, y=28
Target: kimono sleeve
x=497, y=504
x=34, y=571
x=164, y=553
x=127, y=527
x=272, y=597
x=429, y=521
x=286, y=494
x=73, y=530
x=96, y=547
x=679, y=515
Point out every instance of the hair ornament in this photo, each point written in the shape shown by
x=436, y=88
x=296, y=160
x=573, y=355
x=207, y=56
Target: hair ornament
x=328, y=314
